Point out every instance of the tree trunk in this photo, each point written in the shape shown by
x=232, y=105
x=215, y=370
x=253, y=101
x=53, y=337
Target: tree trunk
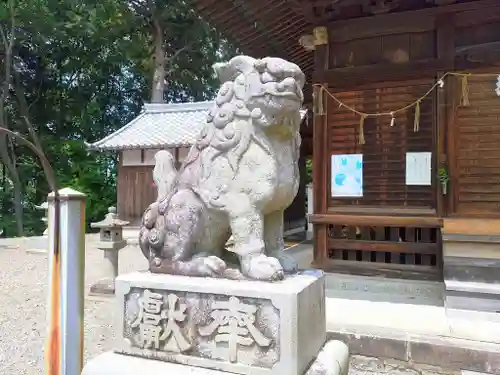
x=9, y=159
x=159, y=59
x=10, y=163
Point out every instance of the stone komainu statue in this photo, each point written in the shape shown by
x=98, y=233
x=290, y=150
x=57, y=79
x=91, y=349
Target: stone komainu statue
x=237, y=179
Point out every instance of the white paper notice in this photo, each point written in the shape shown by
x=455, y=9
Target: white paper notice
x=418, y=168
x=347, y=175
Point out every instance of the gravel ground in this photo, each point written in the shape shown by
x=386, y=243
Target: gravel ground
x=23, y=291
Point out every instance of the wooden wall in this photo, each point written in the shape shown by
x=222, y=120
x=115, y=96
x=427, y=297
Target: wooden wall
x=136, y=191
x=476, y=183
x=381, y=63
x=385, y=146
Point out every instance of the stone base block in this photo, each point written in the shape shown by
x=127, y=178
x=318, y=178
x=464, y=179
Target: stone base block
x=104, y=287
x=471, y=268
x=472, y=284
x=243, y=327
x=465, y=296
x=332, y=360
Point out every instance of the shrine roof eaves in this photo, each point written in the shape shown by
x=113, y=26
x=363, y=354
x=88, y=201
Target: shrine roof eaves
x=159, y=125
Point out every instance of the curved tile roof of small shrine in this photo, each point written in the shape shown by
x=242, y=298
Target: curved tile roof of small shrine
x=160, y=125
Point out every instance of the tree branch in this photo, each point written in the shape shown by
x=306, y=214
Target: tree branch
x=170, y=57
x=24, y=110
x=9, y=46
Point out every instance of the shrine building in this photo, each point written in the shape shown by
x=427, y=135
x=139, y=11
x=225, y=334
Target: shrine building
x=406, y=105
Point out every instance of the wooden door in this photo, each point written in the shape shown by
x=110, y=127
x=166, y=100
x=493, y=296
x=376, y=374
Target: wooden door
x=135, y=192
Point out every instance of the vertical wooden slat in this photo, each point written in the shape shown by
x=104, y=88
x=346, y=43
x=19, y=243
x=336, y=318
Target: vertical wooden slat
x=351, y=232
x=351, y=235
x=394, y=238
x=410, y=237
x=380, y=236
x=365, y=235
x=426, y=238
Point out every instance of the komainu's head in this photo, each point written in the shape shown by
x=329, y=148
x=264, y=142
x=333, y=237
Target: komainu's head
x=268, y=89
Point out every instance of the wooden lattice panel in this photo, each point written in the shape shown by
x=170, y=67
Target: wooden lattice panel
x=379, y=244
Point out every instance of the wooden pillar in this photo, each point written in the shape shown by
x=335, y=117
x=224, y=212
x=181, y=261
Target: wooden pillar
x=320, y=151
x=445, y=47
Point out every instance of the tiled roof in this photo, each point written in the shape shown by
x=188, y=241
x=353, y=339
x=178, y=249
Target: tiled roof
x=160, y=126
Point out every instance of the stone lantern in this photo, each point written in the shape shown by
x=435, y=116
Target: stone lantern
x=111, y=242
x=45, y=207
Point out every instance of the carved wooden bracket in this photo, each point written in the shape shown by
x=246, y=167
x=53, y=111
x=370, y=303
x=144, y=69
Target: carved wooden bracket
x=307, y=42
x=380, y=6
x=320, y=35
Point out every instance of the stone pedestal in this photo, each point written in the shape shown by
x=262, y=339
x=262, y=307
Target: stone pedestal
x=243, y=327
x=192, y=325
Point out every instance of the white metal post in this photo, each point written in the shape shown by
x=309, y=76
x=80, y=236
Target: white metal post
x=310, y=209
x=72, y=253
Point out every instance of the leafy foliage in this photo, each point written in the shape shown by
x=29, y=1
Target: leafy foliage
x=85, y=68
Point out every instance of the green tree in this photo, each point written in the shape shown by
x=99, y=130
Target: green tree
x=84, y=70
x=182, y=49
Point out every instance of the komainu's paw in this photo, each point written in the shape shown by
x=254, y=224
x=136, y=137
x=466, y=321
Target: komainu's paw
x=288, y=263
x=261, y=267
x=200, y=267
x=214, y=266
